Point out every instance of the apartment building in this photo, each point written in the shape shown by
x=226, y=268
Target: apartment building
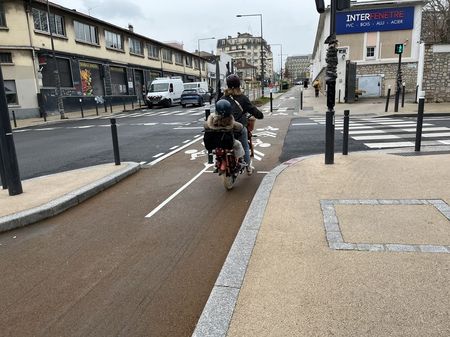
x=94, y=58
x=246, y=47
x=298, y=67
x=367, y=34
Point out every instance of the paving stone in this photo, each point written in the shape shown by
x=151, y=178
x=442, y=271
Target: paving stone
x=342, y=246
x=433, y=249
x=331, y=224
x=347, y=202
x=400, y=248
x=388, y=202
x=334, y=237
x=371, y=247
x=368, y=202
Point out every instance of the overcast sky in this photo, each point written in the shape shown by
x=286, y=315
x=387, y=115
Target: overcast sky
x=292, y=23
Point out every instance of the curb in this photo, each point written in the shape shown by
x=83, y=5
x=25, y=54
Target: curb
x=67, y=201
x=218, y=311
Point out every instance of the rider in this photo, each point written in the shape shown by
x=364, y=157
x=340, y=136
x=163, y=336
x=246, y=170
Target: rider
x=241, y=107
x=223, y=120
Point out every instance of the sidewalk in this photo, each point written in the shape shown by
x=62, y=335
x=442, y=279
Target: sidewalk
x=358, y=248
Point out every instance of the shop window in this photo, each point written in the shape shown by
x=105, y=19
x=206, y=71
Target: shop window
x=11, y=93
x=2, y=15
x=41, y=22
x=85, y=32
x=370, y=52
x=153, y=51
x=65, y=74
x=135, y=46
x=91, y=79
x=118, y=81
x=113, y=40
x=6, y=58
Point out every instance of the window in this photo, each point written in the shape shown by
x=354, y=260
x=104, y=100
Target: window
x=135, y=46
x=2, y=15
x=113, y=40
x=6, y=58
x=189, y=61
x=178, y=58
x=153, y=51
x=85, y=33
x=196, y=63
x=167, y=55
x=11, y=93
x=65, y=74
x=41, y=22
x=370, y=52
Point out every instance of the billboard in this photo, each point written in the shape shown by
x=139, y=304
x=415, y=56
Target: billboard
x=374, y=20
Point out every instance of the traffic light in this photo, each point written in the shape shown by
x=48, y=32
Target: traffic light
x=342, y=4
x=320, y=6
x=399, y=48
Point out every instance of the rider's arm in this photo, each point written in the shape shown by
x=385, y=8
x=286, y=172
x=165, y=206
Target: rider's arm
x=247, y=106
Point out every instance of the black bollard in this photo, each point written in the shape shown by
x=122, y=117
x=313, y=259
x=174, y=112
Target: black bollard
x=81, y=108
x=339, y=98
x=271, y=101
x=105, y=104
x=115, y=141
x=346, y=127
x=123, y=102
x=96, y=108
x=132, y=102
x=387, y=99
x=14, y=119
x=403, y=94
x=110, y=105
x=329, y=137
x=207, y=113
x=301, y=99
x=2, y=172
x=419, y=124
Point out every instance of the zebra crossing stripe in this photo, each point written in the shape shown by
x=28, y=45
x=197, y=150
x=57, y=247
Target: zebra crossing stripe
x=388, y=145
x=378, y=137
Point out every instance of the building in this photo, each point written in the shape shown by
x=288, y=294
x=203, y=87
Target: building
x=247, y=47
x=367, y=34
x=298, y=67
x=94, y=58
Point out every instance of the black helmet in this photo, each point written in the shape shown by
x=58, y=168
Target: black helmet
x=223, y=108
x=233, y=81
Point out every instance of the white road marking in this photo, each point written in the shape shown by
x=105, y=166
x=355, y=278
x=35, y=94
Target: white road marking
x=259, y=153
x=187, y=140
x=158, y=155
x=365, y=132
x=376, y=137
x=444, y=141
x=295, y=124
x=427, y=129
x=389, y=145
x=441, y=134
x=45, y=129
x=173, y=147
x=197, y=138
x=165, y=202
x=188, y=127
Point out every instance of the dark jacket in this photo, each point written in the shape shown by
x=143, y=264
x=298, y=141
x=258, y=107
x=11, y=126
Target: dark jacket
x=247, y=107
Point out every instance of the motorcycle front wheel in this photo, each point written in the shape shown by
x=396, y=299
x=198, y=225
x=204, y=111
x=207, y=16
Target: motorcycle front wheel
x=228, y=181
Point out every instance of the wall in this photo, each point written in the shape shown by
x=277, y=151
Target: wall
x=436, y=73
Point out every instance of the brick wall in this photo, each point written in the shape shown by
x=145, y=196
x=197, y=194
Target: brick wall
x=436, y=75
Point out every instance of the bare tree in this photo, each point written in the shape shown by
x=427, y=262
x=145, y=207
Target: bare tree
x=436, y=21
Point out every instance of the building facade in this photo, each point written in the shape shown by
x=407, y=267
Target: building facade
x=298, y=67
x=367, y=34
x=93, y=58
x=248, y=47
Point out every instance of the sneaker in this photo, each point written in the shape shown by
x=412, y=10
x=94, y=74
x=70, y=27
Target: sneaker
x=250, y=169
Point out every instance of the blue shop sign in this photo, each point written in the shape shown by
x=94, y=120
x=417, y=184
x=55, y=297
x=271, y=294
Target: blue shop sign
x=374, y=20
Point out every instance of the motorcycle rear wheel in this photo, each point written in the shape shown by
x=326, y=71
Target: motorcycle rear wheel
x=228, y=181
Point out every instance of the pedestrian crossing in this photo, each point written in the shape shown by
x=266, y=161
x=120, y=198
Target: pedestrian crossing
x=163, y=112
x=389, y=133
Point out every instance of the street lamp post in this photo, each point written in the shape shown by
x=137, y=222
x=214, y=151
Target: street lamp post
x=198, y=50
x=262, y=49
x=281, y=62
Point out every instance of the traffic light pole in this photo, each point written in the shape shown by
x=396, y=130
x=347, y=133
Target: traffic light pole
x=399, y=82
x=7, y=148
x=331, y=75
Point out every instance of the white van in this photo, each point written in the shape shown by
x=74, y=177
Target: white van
x=195, y=85
x=164, y=91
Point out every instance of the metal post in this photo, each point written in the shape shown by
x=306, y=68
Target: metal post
x=207, y=113
x=14, y=119
x=110, y=104
x=387, y=99
x=419, y=124
x=139, y=100
x=132, y=102
x=301, y=98
x=81, y=108
x=346, y=127
x=105, y=104
x=2, y=172
x=115, y=141
x=339, y=98
x=271, y=101
x=96, y=108
x=417, y=92
x=123, y=102
x=331, y=75
x=399, y=82
x=403, y=94
x=7, y=147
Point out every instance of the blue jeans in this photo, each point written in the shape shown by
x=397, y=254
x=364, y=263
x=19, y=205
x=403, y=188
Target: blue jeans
x=244, y=141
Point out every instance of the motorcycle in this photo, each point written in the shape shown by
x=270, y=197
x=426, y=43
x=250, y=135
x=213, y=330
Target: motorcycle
x=228, y=163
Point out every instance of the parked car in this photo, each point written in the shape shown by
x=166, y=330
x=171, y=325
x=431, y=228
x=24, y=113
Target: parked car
x=164, y=91
x=196, y=96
